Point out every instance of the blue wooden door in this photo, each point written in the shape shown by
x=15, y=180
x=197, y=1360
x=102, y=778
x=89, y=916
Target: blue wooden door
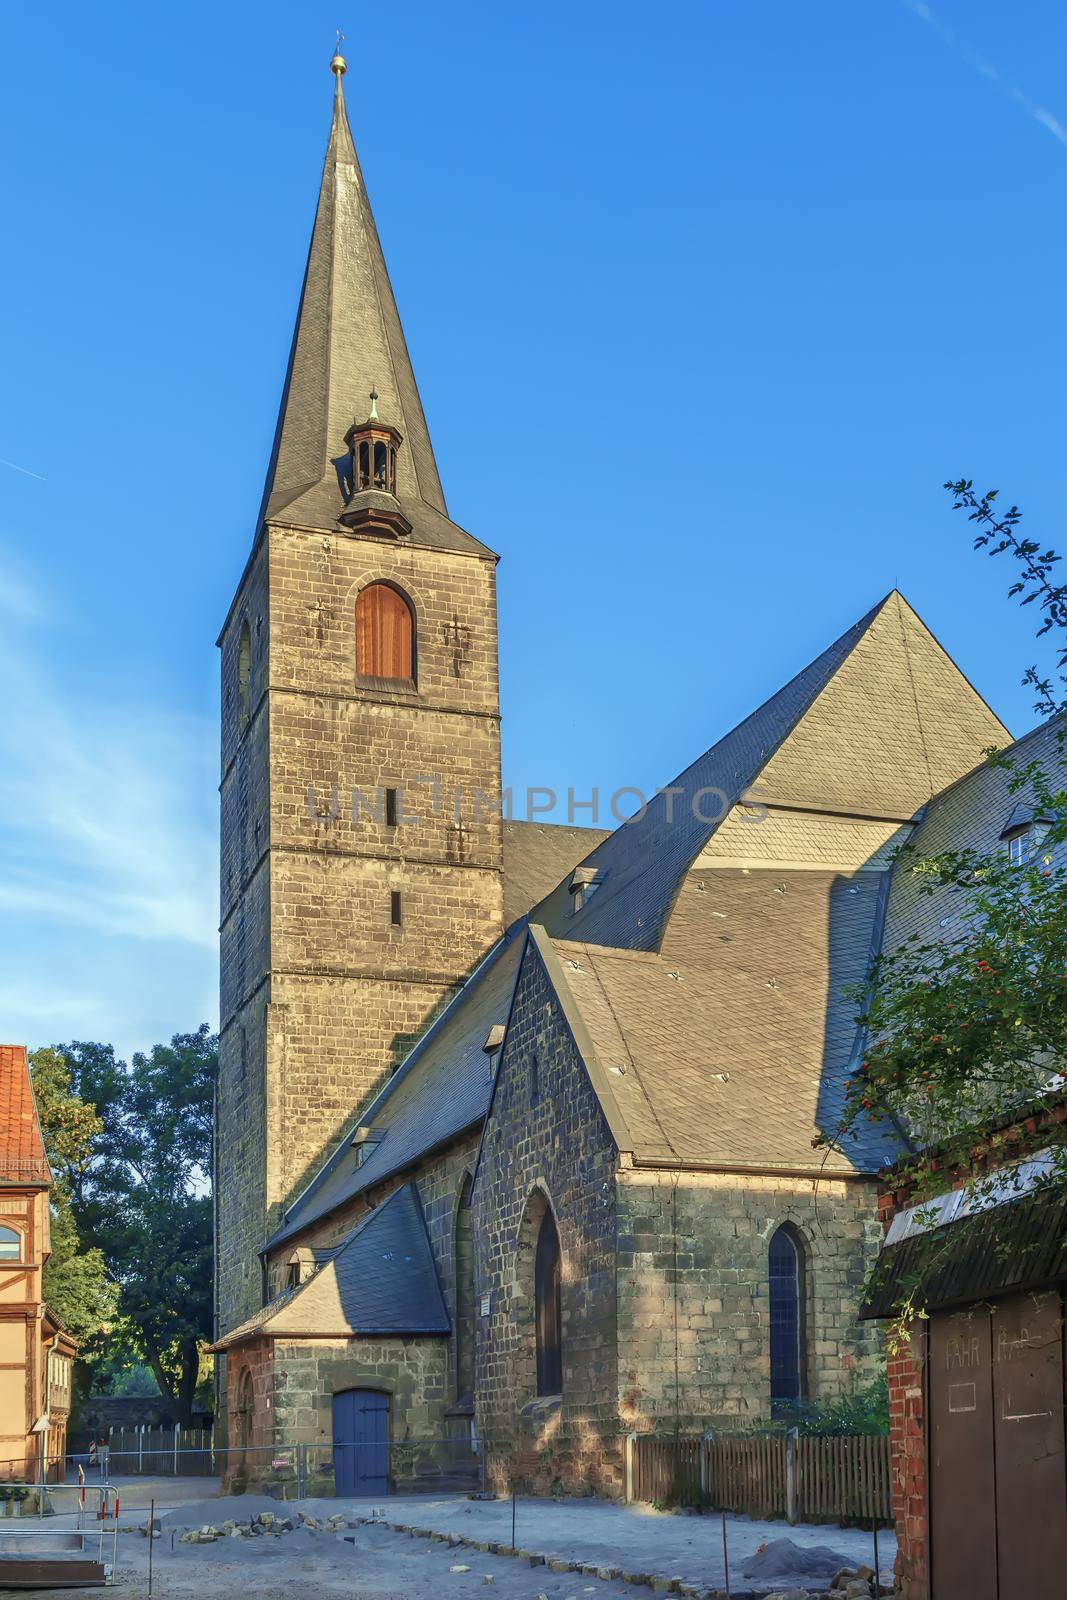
x=361, y=1442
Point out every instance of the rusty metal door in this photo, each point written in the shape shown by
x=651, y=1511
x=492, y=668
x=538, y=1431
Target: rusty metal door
x=963, y=1539
x=1030, y=1464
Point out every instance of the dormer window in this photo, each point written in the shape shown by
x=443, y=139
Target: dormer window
x=1024, y=846
x=493, y=1040
x=365, y=1141
x=299, y=1267
x=1024, y=833
x=585, y=881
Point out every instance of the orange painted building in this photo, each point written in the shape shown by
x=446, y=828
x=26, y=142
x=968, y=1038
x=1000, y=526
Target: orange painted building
x=36, y=1353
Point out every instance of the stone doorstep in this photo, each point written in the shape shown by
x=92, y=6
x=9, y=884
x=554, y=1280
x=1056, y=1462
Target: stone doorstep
x=658, y=1585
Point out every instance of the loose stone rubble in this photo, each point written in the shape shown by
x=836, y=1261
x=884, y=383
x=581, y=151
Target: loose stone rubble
x=847, y=1583
x=264, y=1525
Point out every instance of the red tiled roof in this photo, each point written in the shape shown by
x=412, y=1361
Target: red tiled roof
x=22, y=1157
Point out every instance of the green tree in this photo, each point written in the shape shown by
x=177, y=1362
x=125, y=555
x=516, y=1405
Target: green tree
x=76, y=1283
x=144, y=1197
x=966, y=1028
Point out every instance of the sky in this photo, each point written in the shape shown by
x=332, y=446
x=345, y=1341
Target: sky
x=705, y=305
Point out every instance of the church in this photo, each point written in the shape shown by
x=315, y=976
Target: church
x=515, y=1121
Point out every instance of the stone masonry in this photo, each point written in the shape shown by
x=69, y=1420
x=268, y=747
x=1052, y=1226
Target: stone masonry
x=550, y=1147
x=321, y=995
x=693, y=1293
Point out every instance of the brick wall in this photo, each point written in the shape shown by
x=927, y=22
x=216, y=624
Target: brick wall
x=907, y=1444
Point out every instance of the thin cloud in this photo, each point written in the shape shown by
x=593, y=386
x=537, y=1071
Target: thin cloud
x=102, y=824
x=4, y=462
x=987, y=70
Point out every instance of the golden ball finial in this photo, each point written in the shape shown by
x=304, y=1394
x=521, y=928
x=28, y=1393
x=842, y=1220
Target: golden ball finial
x=339, y=65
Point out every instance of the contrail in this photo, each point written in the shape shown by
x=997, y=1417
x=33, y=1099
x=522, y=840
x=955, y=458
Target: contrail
x=987, y=70
x=4, y=462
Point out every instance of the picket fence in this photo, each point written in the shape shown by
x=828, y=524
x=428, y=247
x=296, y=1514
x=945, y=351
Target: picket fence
x=808, y=1479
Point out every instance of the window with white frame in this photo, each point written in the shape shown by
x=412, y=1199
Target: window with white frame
x=1024, y=844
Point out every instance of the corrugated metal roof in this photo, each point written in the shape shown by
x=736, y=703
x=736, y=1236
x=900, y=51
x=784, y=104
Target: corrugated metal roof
x=1021, y=1244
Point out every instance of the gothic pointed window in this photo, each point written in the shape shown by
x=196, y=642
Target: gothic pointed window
x=385, y=634
x=549, y=1311
x=464, y=1296
x=787, y=1332
x=244, y=677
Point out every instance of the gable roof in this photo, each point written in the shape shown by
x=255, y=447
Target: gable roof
x=729, y=1047
x=971, y=814
x=22, y=1154
x=441, y=1089
x=381, y=1280
x=841, y=709
x=347, y=342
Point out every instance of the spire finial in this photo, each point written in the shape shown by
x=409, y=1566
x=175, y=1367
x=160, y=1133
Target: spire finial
x=339, y=65
x=373, y=407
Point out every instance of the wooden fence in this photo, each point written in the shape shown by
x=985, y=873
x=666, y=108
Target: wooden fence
x=809, y=1479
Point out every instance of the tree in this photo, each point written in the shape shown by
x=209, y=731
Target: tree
x=971, y=1027
x=75, y=1283
x=143, y=1197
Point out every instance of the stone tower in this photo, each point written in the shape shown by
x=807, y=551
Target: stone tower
x=361, y=836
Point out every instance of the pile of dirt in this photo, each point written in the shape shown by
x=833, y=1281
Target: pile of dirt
x=782, y=1558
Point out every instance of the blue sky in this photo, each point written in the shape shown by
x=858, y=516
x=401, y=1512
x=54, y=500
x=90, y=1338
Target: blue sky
x=705, y=304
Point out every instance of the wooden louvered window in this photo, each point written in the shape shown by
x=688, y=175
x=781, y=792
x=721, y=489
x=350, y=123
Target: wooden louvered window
x=385, y=634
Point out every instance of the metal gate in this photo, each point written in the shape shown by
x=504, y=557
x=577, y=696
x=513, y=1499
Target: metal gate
x=998, y=1467
x=361, y=1442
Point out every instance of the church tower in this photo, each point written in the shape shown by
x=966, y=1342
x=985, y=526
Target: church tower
x=361, y=835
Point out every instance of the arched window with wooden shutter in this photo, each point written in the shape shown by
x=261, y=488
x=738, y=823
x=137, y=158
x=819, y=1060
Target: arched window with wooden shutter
x=385, y=634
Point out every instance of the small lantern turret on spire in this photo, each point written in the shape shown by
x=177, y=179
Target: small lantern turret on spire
x=372, y=502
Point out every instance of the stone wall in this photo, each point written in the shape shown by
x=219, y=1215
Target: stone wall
x=693, y=1292
x=439, y=1180
x=244, y=941
x=321, y=995
x=546, y=1142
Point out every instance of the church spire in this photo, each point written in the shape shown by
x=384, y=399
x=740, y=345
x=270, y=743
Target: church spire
x=347, y=342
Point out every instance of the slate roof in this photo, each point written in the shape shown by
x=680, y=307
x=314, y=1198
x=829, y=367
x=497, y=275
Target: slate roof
x=537, y=857
x=643, y=863
x=970, y=814
x=22, y=1155
x=347, y=341
x=441, y=1089
x=735, y=1038
x=381, y=1280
